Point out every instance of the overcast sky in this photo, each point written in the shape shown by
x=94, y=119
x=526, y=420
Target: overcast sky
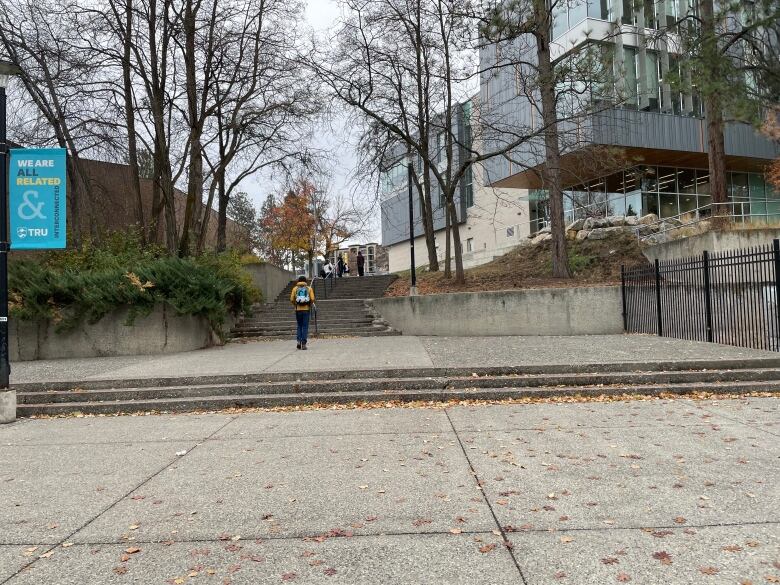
x=321, y=16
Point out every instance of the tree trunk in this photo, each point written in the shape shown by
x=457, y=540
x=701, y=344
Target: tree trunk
x=716, y=158
x=713, y=114
x=222, y=215
x=447, y=248
x=74, y=217
x=132, y=143
x=552, y=165
x=153, y=226
x=195, y=182
x=460, y=275
x=427, y=218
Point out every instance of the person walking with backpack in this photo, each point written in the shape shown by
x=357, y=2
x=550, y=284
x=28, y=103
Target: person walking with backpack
x=302, y=298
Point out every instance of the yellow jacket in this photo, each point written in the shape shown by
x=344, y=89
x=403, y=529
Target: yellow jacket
x=296, y=305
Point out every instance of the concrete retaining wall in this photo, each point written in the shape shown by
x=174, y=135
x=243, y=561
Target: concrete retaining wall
x=162, y=331
x=553, y=311
x=713, y=241
x=269, y=279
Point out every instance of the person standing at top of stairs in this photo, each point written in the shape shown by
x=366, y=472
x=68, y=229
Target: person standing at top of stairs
x=361, y=262
x=302, y=298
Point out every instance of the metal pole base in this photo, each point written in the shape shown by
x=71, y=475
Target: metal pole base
x=7, y=406
x=412, y=291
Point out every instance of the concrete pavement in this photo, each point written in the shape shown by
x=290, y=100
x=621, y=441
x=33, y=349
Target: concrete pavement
x=403, y=352
x=644, y=492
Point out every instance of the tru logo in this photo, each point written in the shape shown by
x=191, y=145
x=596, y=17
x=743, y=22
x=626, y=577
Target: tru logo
x=32, y=232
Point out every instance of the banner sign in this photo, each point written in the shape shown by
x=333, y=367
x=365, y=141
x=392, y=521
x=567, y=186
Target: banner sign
x=37, y=201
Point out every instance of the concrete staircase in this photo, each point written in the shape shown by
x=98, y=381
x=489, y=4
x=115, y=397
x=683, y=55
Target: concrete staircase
x=351, y=287
x=421, y=384
x=341, y=311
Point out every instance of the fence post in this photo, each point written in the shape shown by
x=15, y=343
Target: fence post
x=707, y=295
x=776, y=250
x=623, y=293
x=658, y=296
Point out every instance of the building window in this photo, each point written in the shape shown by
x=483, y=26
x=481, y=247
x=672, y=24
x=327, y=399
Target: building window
x=578, y=11
x=470, y=245
x=393, y=178
x=600, y=9
x=560, y=20
x=469, y=181
x=440, y=147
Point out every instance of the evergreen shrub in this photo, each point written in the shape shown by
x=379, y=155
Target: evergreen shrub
x=71, y=286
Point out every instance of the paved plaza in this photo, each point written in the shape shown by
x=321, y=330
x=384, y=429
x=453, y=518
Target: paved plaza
x=371, y=353
x=651, y=492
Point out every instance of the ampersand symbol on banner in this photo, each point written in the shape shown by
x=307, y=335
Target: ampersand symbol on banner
x=29, y=210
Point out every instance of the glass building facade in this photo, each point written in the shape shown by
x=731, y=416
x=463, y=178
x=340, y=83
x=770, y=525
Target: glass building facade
x=671, y=192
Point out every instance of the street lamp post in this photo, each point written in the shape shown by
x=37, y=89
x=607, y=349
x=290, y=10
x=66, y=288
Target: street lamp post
x=410, y=180
x=7, y=398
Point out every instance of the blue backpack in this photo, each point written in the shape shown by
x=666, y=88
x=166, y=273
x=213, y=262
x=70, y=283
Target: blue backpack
x=302, y=295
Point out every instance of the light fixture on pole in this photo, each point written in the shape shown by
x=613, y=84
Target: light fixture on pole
x=7, y=398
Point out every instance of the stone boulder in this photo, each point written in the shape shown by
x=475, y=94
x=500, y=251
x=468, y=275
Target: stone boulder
x=646, y=230
x=616, y=220
x=594, y=223
x=603, y=233
x=572, y=234
x=541, y=238
x=576, y=225
x=582, y=235
x=648, y=219
x=632, y=220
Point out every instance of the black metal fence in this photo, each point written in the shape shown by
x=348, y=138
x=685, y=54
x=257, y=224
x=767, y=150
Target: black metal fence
x=726, y=297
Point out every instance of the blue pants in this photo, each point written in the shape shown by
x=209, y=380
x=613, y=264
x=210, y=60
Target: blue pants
x=302, y=317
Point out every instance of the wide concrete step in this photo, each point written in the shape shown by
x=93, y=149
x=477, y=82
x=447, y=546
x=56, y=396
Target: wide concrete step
x=291, y=323
x=752, y=369
x=290, y=317
x=286, y=330
x=347, y=288
x=271, y=321
x=269, y=400
x=322, y=305
x=314, y=335
x=283, y=389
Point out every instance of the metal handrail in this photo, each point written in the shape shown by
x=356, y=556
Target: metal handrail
x=699, y=219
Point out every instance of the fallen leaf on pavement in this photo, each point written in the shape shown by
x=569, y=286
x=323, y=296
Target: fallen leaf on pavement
x=709, y=570
x=663, y=556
